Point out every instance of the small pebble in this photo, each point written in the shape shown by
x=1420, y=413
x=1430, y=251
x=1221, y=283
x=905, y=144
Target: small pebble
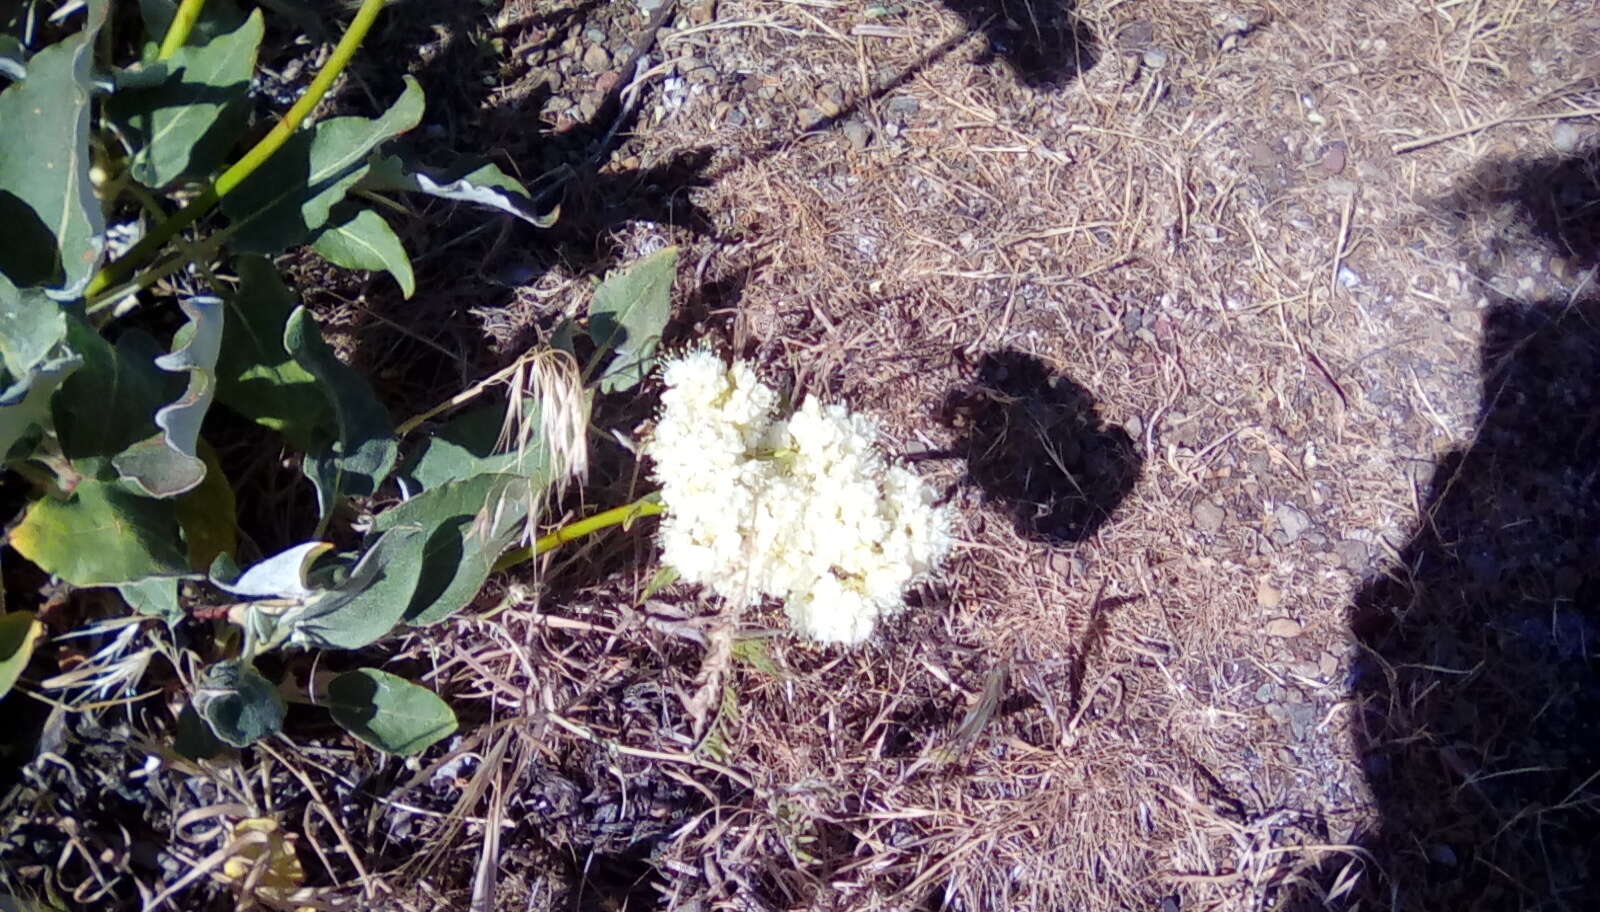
x=702, y=12
x=858, y=134
x=1292, y=521
x=1566, y=137
x=596, y=59
x=1284, y=628
x=1334, y=157
x=1268, y=595
x=1155, y=58
x=903, y=106
x=1208, y=517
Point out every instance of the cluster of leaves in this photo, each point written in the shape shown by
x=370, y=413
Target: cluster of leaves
x=104, y=418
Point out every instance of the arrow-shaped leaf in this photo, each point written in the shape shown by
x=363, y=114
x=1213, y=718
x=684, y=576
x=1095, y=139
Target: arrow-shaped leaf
x=289, y=197
x=363, y=448
x=627, y=316
x=55, y=229
x=365, y=241
x=389, y=712
x=186, y=123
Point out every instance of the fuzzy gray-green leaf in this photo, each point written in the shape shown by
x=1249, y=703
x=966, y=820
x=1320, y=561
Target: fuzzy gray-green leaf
x=469, y=524
x=371, y=601
x=485, y=185
x=361, y=449
x=239, y=704
x=627, y=316
x=186, y=124
x=389, y=712
x=34, y=359
x=55, y=232
x=256, y=376
x=365, y=241
x=291, y=196
x=469, y=444
x=169, y=464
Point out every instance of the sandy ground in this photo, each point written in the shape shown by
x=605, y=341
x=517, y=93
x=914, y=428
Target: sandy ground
x=1243, y=253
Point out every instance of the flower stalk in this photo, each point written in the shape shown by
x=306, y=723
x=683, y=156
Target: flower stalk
x=648, y=505
x=178, y=31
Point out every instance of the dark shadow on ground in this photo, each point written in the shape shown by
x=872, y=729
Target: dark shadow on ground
x=1035, y=444
x=1042, y=42
x=1478, y=686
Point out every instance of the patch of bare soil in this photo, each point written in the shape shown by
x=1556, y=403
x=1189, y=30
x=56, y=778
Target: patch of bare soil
x=1255, y=344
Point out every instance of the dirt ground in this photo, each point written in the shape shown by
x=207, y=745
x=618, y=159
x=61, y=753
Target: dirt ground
x=1256, y=345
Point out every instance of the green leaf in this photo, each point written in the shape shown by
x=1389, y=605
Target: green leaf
x=186, y=124
x=291, y=196
x=365, y=241
x=665, y=576
x=285, y=575
x=256, y=376
x=156, y=597
x=627, y=316
x=194, y=739
x=485, y=185
x=55, y=231
x=469, y=524
x=367, y=605
x=208, y=514
x=101, y=535
x=110, y=402
x=18, y=634
x=363, y=448
x=34, y=360
x=389, y=712
x=31, y=327
x=468, y=445
x=168, y=463
x=239, y=704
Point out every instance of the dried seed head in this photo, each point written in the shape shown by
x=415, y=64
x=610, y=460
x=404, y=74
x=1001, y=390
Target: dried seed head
x=551, y=377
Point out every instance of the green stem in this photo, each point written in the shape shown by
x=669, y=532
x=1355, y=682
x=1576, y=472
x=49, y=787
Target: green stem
x=648, y=505
x=159, y=235
x=182, y=24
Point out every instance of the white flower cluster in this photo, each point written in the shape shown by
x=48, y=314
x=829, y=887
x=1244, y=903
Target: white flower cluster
x=804, y=509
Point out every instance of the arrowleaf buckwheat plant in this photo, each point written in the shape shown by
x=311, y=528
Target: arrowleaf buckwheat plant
x=119, y=202
x=128, y=222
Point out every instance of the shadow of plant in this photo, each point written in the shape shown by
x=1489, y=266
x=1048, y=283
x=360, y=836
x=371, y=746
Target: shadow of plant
x=1035, y=443
x=1479, y=683
x=1044, y=43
